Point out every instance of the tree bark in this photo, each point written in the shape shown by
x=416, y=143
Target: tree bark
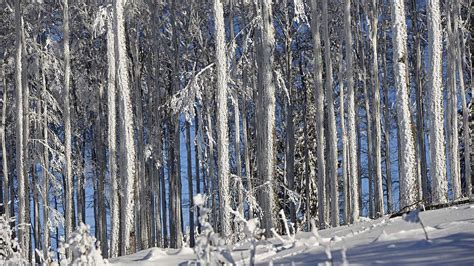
x=351, y=118
x=408, y=166
x=127, y=149
x=319, y=101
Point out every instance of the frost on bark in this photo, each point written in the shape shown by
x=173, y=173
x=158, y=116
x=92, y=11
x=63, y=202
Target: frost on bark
x=345, y=189
x=437, y=148
x=112, y=140
x=452, y=107
x=266, y=126
x=222, y=138
x=332, y=135
x=467, y=140
x=352, y=144
x=20, y=172
x=127, y=149
x=68, y=186
x=408, y=191
x=319, y=101
x=6, y=209
x=377, y=141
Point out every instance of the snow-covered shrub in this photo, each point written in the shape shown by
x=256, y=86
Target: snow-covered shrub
x=210, y=249
x=252, y=231
x=84, y=248
x=10, y=252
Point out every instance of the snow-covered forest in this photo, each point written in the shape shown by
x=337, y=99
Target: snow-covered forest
x=132, y=124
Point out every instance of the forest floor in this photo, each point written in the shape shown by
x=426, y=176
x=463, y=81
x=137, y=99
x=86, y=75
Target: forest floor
x=382, y=241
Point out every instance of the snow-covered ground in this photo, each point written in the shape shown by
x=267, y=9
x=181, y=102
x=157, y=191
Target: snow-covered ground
x=382, y=241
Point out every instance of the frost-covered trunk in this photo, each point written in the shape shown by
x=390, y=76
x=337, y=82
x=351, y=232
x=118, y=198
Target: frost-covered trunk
x=319, y=102
x=45, y=160
x=368, y=117
x=4, y=145
x=266, y=126
x=408, y=191
x=467, y=140
x=290, y=129
x=332, y=134
x=176, y=232
x=377, y=144
x=222, y=138
x=127, y=148
x=141, y=180
x=101, y=165
x=68, y=186
x=420, y=133
x=235, y=101
x=20, y=172
x=387, y=125
x=437, y=148
x=345, y=190
x=352, y=142
x=112, y=140
x=190, y=183
x=26, y=137
x=452, y=107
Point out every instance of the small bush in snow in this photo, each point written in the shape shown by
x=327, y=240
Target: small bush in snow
x=210, y=249
x=10, y=252
x=84, y=248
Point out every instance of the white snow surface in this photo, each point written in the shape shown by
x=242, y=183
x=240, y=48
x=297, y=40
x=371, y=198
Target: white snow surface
x=381, y=241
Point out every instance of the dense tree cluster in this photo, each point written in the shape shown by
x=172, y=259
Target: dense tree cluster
x=116, y=113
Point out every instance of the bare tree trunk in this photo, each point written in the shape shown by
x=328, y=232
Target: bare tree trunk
x=351, y=117
x=344, y=166
x=437, y=148
x=452, y=107
x=3, y=132
x=112, y=140
x=222, y=138
x=266, y=130
x=408, y=166
x=127, y=149
x=68, y=185
x=290, y=131
x=386, y=114
x=332, y=136
x=190, y=184
x=465, y=111
x=419, y=106
x=20, y=171
x=319, y=101
x=377, y=142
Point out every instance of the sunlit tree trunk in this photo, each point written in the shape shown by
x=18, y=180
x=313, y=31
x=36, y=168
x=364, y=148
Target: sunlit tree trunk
x=437, y=148
x=408, y=191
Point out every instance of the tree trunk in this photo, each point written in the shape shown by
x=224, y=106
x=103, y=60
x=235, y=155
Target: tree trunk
x=452, y=107
x=377, y=163
x=386, y=114
x=351, y=118
x=3, y=132
x=127, y=149
x=420, y=134
x=319, y=101
x=190, y=184
x=345, y=190
x=20, y=171
x=222, y=138
x=437, y=148
x=266, y=130
x=332, y=136
x=112, y=140
x=408, y=166
x=465, y=111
